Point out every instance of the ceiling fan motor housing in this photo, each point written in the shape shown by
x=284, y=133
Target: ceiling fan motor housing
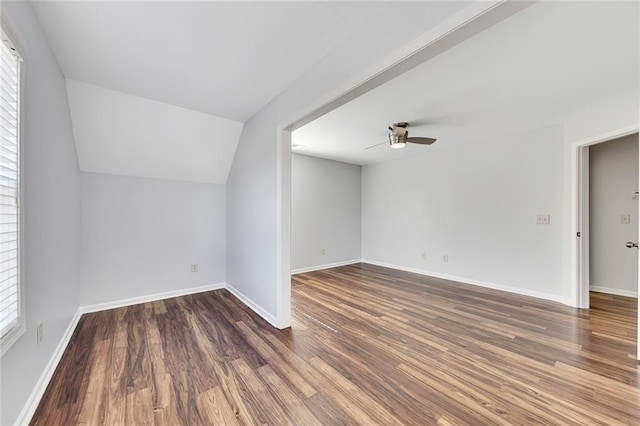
x=398, y=135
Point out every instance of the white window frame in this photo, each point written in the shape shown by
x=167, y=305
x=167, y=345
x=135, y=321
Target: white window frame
x=10, y=337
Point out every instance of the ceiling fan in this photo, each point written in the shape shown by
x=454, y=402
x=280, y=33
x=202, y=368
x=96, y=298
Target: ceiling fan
x=399, y=137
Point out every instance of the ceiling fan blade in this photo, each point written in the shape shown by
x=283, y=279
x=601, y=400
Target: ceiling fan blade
x=378, y=144
x=418, y=123
x=421, y=141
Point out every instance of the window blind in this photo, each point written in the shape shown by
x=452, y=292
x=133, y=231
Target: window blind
x=9, y=186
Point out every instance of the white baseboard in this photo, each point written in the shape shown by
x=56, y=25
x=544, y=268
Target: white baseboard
x=471, y=281
x=253, y=306
x=41, y=385
x=615, y=291
x=149, y=298
x=325, y=266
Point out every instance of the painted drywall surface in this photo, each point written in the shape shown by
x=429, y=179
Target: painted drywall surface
x=477, y=205
x=251, y=214
x=326, y=199
x=601, y=117
x=252, y=186
x=120, y=134
x=140, y=236
x=613, y=179
x=51, y=213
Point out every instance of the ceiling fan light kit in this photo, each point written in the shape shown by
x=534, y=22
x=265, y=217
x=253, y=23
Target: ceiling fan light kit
x=399, y=137
x=397, y=141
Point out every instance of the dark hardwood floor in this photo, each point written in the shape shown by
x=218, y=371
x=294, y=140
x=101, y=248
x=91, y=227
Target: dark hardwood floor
x=368, y=345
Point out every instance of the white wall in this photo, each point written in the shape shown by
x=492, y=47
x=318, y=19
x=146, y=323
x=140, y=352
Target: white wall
x=140, y=236
x=326, y=199
x=51, y=209
x=613, y=179
x=478, y=206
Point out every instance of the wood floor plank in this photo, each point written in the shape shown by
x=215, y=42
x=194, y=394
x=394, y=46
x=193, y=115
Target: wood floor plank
x=273, y=359
x=137, y=408
x=115, y=382
x=256, y=394
x=93, y=408
x=292, y=403
x=215, y=408
x=368, y=345
x=358, y=398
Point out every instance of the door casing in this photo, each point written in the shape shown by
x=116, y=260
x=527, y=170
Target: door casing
x=580, y=217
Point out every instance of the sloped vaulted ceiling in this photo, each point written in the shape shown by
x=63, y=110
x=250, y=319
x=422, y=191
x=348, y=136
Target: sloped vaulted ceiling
x=160, y=89
x=128, y=135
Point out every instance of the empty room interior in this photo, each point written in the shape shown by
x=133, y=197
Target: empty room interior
x=318, y=213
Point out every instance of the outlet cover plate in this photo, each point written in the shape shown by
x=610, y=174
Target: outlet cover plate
x=543, y=219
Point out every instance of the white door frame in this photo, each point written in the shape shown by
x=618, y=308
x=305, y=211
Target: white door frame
x=580, y=215
x=283, y=228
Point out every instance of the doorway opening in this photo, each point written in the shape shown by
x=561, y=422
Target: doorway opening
x=607, y=181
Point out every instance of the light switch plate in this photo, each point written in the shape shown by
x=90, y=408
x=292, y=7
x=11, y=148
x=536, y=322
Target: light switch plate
x=625, y=219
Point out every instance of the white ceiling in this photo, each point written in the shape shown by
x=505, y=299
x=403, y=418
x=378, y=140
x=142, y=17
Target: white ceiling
x=120, y=134
x=532, y=69
x=227, y=59
x=160, y=89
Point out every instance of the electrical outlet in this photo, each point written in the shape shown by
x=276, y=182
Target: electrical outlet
x=625, y=219
x=323, y=252
x=424, y=255
x=543, y=219
x=445, y=258
x=194, y=267
x=39, y=332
